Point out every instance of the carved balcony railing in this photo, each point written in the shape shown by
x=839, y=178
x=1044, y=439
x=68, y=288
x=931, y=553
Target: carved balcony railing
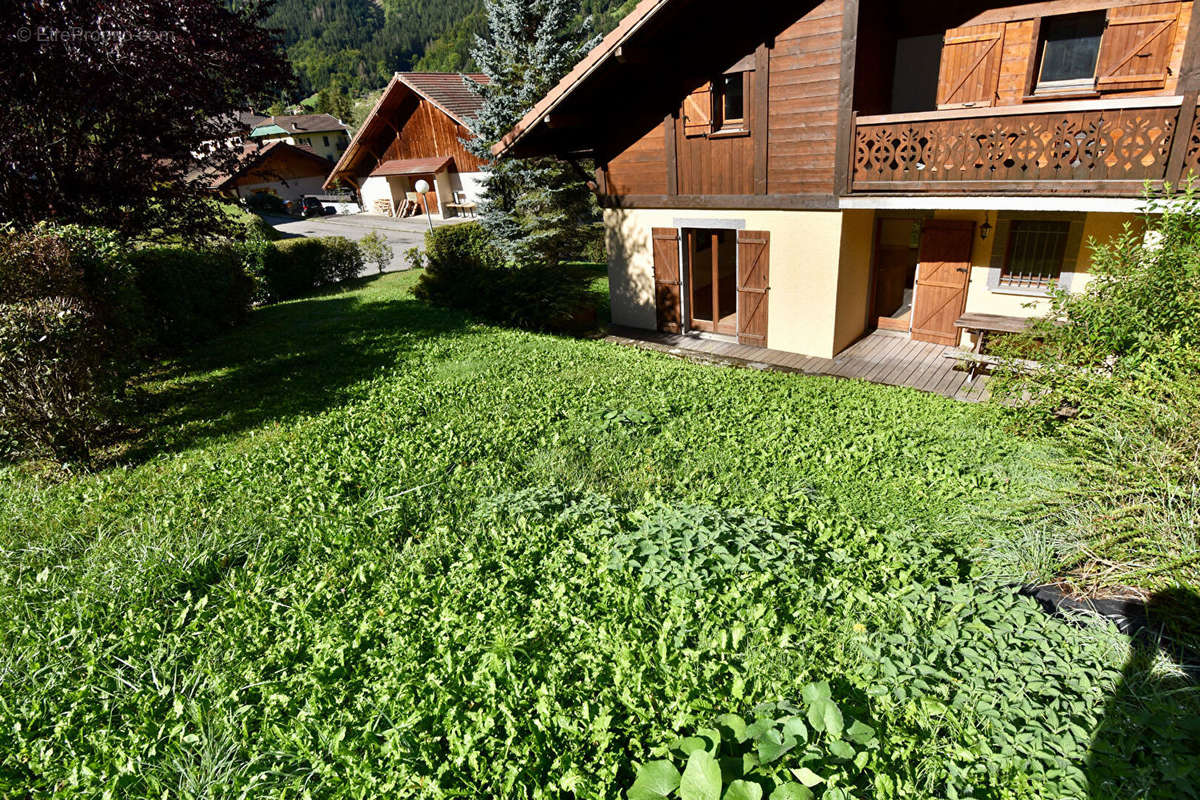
x=1110, y=147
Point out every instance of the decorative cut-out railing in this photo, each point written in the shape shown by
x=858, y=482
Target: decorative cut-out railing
x=1099, y=147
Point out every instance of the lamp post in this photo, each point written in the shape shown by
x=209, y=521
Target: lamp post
x=422, y=187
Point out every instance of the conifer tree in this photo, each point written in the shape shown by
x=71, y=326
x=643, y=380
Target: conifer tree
x=539, y=209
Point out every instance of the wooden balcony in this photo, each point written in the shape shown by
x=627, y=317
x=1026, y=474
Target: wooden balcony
x=1103, y=147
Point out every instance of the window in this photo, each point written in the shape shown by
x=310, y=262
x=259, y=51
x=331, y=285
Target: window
x=731, y=102
x=326, y=138
x=1070, y=46
x=1036, y=249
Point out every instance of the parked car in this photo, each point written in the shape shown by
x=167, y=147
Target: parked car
x=312, y=207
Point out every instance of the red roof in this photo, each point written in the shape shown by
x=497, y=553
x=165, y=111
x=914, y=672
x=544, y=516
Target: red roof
x=412, y=166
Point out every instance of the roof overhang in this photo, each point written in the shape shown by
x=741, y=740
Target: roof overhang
x=412, y=166
x=599, y=55
x=256, y=158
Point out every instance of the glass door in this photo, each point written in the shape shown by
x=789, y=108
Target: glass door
x=712, y=280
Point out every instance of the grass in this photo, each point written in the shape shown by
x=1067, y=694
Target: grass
x=367, y=548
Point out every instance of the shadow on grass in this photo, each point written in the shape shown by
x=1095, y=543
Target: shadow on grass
x=291, y=359
x=1148, y=744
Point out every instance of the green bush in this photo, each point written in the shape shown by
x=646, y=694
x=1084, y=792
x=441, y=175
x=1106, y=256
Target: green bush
x=295, y=267
x=190, y=295
x=465, y=270
x=376, y=250
x=68, y=313
x=1118, y=366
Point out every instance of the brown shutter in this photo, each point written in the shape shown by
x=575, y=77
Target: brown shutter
x=1135, y=52
x=697, y=112
x=667, y=281
x=754, y=257
x=970, y=70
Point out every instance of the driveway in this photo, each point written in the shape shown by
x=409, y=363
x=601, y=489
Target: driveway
x=401, y=234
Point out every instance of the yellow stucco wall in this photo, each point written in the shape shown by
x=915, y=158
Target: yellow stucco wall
x=854, y=277
x=805, y=251
x=982, y=300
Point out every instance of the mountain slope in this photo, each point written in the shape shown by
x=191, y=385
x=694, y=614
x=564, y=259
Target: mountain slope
x=355, y=45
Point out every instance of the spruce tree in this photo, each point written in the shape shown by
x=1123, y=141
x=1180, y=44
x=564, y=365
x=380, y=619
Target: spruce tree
x=538, y=209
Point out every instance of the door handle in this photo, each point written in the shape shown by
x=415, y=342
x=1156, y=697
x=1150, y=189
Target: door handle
x=960, y=269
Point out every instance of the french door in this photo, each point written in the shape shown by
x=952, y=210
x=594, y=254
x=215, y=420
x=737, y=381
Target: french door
x=712, y=290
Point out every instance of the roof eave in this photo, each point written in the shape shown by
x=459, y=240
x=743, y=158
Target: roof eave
x=598, y=56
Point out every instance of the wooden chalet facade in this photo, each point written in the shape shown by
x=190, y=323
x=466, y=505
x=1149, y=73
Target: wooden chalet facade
x=277, y=168
x=801, y=174
x=415, y=131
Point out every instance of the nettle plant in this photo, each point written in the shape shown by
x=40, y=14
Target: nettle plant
x=785, y=753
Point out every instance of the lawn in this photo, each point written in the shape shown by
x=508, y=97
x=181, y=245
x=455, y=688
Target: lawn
x=367, y=548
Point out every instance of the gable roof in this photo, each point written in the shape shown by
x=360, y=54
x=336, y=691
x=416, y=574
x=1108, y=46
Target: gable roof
x=447, y=91
x=298, y=123
x=255, y=156
x=599, y=54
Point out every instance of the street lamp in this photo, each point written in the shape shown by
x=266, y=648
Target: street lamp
x=421, y=188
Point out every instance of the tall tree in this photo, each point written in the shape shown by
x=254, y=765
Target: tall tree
x=538, y=209
x=109, y=111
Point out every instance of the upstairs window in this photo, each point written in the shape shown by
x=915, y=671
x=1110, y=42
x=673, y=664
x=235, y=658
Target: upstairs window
x=731, y=102
x=1070, y=47
x=1036, y=250
x=718, y=107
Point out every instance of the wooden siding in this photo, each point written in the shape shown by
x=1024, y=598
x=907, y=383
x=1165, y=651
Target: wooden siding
x=426, y=131
x=805, y=67
x=719, y=164
x=641, y=168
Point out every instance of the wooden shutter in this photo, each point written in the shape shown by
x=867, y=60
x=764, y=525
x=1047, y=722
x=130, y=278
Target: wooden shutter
x=970, y=70
x=667, y=282
x=698, y=111
x=1135, y=52
x=754, y=257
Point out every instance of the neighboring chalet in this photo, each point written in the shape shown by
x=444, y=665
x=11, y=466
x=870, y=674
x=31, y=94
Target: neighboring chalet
x=321, y=133
x=796, y=175
x=416, y=130
x=277, y=168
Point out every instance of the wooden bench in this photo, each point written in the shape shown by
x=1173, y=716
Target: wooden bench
x=981, y=325
x=461, y=205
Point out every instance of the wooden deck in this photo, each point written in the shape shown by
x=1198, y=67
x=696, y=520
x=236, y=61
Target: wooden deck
x=880, y=357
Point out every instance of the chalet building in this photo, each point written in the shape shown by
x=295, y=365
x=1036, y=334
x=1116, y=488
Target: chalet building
x=277, y=168
x=796, y=175
x=416, y=131
x=323, y=134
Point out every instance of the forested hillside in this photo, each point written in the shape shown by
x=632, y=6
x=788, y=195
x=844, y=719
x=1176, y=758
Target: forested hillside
x=353, y=46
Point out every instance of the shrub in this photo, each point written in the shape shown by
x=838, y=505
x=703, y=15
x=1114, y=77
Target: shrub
x=465, y=270
x=294, y=267
x=190, y=295
x=1118, y=367
x=376, y=250
x=67, y=311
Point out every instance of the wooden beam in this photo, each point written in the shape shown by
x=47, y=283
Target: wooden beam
x=1189, y=86
x=761, y=116
x=559, y=121
x=1036, y=10
x=672, y=154
x=632, y=55
x=845, y=115
x=726, y=202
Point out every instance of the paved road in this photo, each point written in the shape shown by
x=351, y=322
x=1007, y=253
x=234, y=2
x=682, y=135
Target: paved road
x=401, y=234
